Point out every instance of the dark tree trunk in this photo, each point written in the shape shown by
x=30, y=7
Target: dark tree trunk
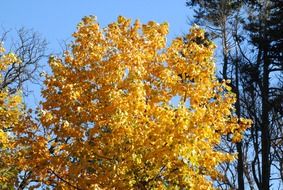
x=225, y=52
x=240, y=164
x=265, y=123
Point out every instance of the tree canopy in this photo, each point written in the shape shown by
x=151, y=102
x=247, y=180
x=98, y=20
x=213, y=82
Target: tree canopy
x=124, y=109
x=10, y=111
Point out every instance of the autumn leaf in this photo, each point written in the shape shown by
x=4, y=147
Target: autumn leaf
x=108, y=119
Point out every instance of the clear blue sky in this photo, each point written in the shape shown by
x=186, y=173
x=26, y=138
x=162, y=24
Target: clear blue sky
x=56, y=20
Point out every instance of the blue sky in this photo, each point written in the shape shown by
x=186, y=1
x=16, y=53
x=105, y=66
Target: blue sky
x=56, y=20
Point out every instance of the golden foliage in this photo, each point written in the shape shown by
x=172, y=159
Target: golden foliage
x=10, y=110
x=126, y=110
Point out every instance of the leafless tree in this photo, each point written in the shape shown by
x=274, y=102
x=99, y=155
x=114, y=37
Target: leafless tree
x=30, y=47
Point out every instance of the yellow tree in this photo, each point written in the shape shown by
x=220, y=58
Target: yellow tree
x=125, y=110
x=10, y=111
